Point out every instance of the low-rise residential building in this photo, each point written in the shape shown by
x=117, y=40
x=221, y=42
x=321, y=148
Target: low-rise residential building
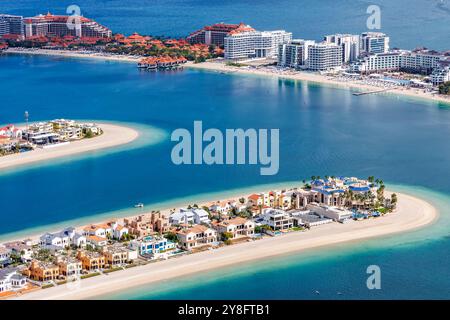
x=23, y=249
x=62, y=239
x=147, y=224
x=91, y=260
x=237, y=227
x=117, y=255
x=308, y=219
x=440, y=75
x=190, y=216
x=96, y=241
x=11, y=280
x=277, y=219
x=110, y=229
x=5, y=256
x=152, y=245
x=196, y=236
x=42, y=271
x=69, y=267
x=331, y=212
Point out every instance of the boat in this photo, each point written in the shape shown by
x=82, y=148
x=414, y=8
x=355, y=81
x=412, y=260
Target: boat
x=139, y=205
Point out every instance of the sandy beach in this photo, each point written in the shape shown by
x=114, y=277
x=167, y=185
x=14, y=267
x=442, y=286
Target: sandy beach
x=411, y=213
x=113, y=135
x=319, y=79
x=222, y=67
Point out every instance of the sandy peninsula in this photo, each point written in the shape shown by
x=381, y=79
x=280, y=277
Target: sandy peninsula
x=411, y=213
x=113, y=135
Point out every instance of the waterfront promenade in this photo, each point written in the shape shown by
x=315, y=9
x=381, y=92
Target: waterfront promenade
x=411, y=213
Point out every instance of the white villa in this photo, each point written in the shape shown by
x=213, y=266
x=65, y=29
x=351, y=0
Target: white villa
x=11, y=280
x=277, y=219
x=62, y=239
x=190, y=216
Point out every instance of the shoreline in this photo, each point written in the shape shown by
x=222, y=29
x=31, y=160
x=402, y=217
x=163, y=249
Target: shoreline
x=113, y=135
x=411, y=213
x=321, y=80
x=221, y=67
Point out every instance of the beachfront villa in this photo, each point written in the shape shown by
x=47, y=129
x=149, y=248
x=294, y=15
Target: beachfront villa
x=5, y=256
x=110, y=229
x=307, y=218
x=42, y=271
x=147, y=224
x=69, y=267
x=196, y=236
x=237, y=227
x=118, y=255
x=22, y=249
x=334, y=213
x=60, y=240
x=152, y=245
x=190, y=216
x=277, y=220
x=91, y=260
x=11, y=280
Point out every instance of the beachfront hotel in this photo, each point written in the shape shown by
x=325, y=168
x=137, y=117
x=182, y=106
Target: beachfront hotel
x=215, y=34
x=58, y=26
x=374, y=42
x=11, y=25
x=350, y=44
x=254, y=44
x=307, y=54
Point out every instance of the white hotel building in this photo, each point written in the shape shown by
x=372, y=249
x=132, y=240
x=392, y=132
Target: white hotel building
x=324, y=56
x=255, y=44
x=350, y=45
x=307, y=54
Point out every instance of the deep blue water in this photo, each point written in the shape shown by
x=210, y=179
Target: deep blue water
x=410, y=23
x=323, y=130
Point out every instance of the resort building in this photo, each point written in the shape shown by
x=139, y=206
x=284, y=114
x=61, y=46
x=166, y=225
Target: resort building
x=335, y=213
x=324, y=57
x=60, y=240
x=237, y=227
x=421, y=60
x=11, y=280
x=152, y=245
x=69, y=267
x=42, y=271
x=255, y=44
x=374, y=43
x=147, y=224
x=216, y=33
x=294, y=54
x=11, y=25
x=190, y=216
x=440, y=75
x=91, y=260
x=277, y=219
x=378, y=62
x=61, y=26
x=349, y=43
x=196, y=236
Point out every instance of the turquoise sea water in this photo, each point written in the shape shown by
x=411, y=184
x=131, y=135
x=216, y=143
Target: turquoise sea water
x=323, y=130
